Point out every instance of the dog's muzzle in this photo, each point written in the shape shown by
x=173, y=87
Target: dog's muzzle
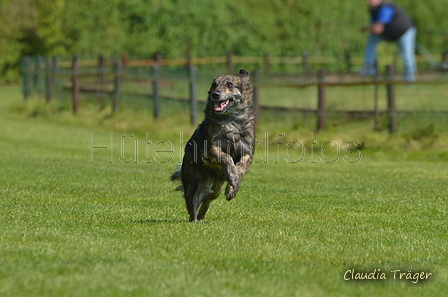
x=221, y=106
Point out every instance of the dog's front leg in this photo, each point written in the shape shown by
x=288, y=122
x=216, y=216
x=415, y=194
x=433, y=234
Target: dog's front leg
x=234, y=181
x=242, y=166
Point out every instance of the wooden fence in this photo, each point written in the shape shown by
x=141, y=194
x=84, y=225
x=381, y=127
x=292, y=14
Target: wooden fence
x=33, y=70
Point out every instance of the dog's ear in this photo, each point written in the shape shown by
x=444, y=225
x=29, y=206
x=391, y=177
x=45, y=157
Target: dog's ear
x=244, y=76
x=246, y=89
x=213, y=86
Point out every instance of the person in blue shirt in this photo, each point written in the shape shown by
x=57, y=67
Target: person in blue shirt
x=389, y=22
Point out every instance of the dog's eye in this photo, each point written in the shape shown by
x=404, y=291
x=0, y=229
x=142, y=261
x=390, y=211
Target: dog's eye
x=229, y=84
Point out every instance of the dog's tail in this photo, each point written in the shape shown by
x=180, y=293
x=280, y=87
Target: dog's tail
x=177, y=176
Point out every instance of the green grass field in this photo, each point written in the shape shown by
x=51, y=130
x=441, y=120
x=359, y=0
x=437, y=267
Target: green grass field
x=77, y=221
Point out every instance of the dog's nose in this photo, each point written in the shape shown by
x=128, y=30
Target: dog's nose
x=215, y=94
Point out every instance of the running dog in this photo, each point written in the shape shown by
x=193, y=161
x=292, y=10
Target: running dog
x=222, y=147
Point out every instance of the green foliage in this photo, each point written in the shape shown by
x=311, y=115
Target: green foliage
x=430, y=22
x=93, y=27
x=12, y=33
x=204, y=28
x=49, y=26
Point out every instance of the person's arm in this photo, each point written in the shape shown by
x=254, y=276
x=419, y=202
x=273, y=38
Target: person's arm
x=384, y=18
x=375, y=28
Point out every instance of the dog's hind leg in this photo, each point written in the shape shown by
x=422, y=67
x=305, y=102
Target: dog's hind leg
x=212, y=192
x=204, y=208
x=199, y=195
x=191, y=200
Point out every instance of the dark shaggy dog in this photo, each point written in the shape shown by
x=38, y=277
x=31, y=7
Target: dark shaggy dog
x=222, y=147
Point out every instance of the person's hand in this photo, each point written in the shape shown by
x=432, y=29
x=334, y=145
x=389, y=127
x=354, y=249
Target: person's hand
x=365, y=29
x=377, y=28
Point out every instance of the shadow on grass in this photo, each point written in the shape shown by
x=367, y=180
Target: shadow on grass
x=159, y=221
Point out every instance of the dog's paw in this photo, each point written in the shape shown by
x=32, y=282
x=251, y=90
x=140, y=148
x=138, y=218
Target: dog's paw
x=231, y=192
x=233, y=177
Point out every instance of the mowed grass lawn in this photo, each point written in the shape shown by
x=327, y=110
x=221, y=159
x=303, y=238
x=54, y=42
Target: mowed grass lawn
x=74, y=228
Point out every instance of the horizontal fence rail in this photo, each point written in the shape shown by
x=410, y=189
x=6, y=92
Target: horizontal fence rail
x=107, y=78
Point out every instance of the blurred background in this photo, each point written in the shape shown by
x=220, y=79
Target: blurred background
x=176, y=28
x=160, y=56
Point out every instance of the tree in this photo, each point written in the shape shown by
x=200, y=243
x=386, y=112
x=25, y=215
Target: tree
x=17, y=17
x=204, y=28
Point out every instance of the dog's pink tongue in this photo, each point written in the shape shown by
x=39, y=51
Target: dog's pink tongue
x=219, y=106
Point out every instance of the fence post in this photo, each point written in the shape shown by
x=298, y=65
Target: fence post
x=100, y=90
x=26, y=77
x=192, y=87
x=267, y=63
x=306, y=64
x=348, y=61
x=256, y=94
x=229, y=62
x=391, y=108
x=124, y=61
x=321, y=109
x=48, y=80
x=55, y=70
x=155, y=84
x=444, y=63
x=117, y=82
x=75, y=78
x=36, y=78
x=376, y=120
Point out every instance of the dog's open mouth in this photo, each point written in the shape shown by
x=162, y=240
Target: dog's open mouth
x=221, y=106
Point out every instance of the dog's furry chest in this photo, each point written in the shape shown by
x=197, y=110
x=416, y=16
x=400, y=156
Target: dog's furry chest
x=232, y=139
x=230, y=143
